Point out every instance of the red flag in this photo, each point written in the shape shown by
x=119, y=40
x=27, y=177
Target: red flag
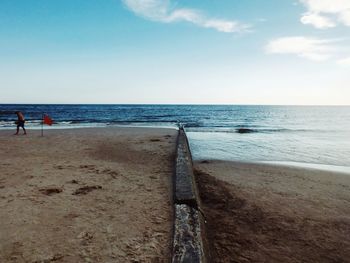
x=47, y=120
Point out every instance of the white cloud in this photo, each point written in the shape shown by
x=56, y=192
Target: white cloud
x=326, y=13
x=163, y=11
x=317, y=20
x=345, y=17
x=310, y=48
x=344, y=62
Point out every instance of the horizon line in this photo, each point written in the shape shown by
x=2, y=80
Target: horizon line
x=183, y=104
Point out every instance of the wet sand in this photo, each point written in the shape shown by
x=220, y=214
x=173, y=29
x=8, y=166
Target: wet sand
x=86, y=195
x=267, y=213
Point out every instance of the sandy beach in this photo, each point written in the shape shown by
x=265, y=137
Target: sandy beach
x=86, y=195
x=104, y=195
x=266, y=213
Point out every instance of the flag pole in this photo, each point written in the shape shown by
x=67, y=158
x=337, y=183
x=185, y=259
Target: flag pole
x=42, y=125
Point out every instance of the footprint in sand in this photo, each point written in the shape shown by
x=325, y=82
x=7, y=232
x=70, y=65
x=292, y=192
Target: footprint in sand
x=113, y=174
x=86, y=189
x=61, y=167
x=71, y=215
x=73, y=182
x=85, y=236
x=88, y=166
x=50, y=191
x=53, y=258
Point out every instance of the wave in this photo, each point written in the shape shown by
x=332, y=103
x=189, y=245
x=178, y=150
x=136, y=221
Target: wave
x=7, y=112
x=242, y=130
x=245, y=130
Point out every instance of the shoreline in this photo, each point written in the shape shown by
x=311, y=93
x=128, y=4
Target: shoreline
x=288, y=164
x=311, y=166
x=302, y=165
x=90, y=126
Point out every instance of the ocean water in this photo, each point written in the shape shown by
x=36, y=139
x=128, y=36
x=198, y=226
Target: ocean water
x=286, y=134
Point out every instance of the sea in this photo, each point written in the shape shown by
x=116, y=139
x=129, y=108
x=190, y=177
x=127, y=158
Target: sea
x=309, y=136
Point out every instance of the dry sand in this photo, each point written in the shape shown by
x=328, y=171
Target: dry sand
x=265, y=213
x=86, y=195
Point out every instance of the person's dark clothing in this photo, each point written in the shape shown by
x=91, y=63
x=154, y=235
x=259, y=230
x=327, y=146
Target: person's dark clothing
x=20, y=124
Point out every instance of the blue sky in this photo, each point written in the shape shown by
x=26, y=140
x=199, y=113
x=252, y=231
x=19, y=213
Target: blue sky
x=193, y=51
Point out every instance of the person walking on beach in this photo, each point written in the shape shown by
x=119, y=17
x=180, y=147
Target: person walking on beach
x=20, y=122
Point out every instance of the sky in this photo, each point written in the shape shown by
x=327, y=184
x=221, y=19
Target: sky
x=294, y=52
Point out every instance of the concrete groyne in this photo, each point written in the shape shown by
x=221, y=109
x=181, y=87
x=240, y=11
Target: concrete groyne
x=189, y=238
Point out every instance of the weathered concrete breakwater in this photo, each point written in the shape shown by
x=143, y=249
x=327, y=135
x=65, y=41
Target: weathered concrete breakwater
x=189, y=242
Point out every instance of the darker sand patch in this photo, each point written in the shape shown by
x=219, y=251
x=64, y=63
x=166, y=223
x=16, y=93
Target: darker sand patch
x=240, y=230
